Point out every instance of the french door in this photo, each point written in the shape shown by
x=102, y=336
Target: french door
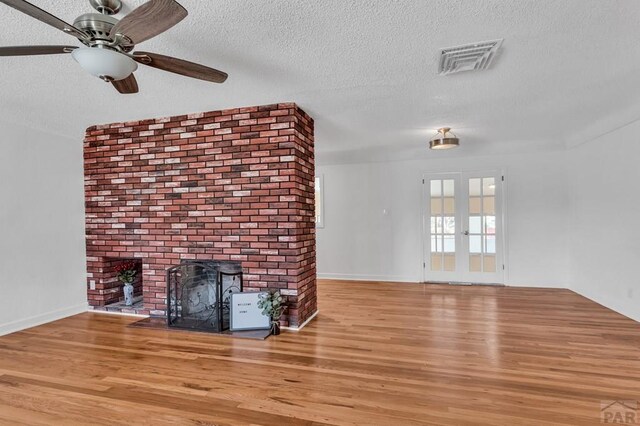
x=463, y=228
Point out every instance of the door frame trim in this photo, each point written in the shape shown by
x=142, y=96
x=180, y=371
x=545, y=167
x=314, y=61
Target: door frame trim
x=423, y=197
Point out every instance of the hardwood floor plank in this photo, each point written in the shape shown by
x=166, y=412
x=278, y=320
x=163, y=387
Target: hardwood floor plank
x=378, y=353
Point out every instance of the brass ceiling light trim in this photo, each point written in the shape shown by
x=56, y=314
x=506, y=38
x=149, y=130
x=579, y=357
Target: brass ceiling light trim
x=445, y=139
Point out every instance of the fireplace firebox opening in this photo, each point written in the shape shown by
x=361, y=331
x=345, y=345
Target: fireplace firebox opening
x=198, y=294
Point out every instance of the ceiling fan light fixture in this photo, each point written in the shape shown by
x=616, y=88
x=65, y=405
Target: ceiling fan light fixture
x=445, y=139
x=109, y=52
x=106, y=64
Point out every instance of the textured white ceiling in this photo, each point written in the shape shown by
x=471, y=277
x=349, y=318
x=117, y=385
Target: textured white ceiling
x=365, y=70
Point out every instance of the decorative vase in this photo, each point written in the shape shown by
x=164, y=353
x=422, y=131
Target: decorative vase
x=128, y=294
x=275, y=328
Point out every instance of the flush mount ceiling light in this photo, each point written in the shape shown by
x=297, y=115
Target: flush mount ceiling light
x=445, y=139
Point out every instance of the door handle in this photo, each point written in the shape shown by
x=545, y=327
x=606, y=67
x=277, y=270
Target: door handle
x=465, y=233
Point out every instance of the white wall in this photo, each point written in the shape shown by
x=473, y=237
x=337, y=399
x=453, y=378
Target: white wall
x=359, y=241
x=42, y=255
x=572, y=221
x=605, y=231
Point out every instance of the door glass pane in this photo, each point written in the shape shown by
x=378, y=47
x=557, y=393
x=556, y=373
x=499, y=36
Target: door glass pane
x=490, y=244
x=436, y=188
x=442, y=224
x=436, y=262
x=475, y=244
x=480, y=222
x=448, y=190
x=474, y=187
x=438, y=228
x=449, y=225
x=448, y=187
x=488, y=186
x=449, y=206
x=436, y=243
x=482, y=225
x=474, y=225
x=449, y=244
x=490, y=225
x=475, y=205
x=489, y=205
x=475, y=263
x=489, y=263
x=449, y=262
x=436, y=206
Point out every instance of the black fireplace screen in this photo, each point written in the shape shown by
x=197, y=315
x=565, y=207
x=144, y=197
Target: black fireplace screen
x=198, y=294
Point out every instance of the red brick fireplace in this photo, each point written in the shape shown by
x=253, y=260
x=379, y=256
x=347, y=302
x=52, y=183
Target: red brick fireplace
x=234, y=184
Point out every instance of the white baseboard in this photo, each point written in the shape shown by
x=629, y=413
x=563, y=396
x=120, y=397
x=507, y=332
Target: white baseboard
x=401, y=279
x=363, y=277
x=301, y=326
x=36, y=320
x=537, y=285
x=628, y=309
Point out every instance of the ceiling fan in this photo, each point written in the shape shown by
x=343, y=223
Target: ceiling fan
x=108, y=43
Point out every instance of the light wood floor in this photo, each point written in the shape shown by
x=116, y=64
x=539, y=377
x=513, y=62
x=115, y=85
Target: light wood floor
x=378, y=353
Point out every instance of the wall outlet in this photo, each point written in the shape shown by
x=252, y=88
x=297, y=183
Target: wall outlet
x=630, y=293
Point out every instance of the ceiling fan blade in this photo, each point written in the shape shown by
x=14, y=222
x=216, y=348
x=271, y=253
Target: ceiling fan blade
x=180, y=66
x=147, y=21
x=44, y=16
x=127, y=85
x=35, y=50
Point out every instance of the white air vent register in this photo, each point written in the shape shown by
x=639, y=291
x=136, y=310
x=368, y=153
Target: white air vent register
x=470, y=57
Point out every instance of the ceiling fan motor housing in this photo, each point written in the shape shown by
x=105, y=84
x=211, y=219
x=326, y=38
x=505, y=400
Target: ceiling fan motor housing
x=95, y=24
x=108, y=7
x=99, y=26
